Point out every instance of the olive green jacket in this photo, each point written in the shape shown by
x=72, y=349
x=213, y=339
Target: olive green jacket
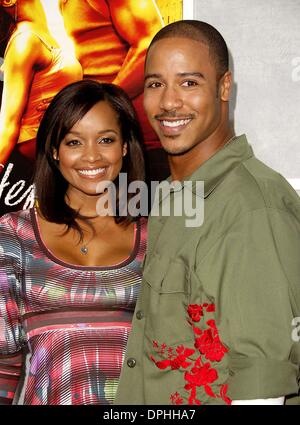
x=217, y=314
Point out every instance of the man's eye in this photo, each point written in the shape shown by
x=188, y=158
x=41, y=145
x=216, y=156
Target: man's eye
x=189, y=83
x=153, y=85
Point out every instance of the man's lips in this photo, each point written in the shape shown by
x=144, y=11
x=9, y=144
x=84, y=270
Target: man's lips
x=173, y=126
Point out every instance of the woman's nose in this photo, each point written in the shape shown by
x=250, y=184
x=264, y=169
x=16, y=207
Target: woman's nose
x=92, y=152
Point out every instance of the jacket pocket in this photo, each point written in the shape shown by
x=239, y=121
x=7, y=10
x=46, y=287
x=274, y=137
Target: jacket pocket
x=167, y=291
x=167, y=277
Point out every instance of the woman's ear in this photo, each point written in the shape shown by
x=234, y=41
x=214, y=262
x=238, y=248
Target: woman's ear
x=55, y=155
x=124, y=149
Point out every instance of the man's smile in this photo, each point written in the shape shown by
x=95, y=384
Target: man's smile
x=178, y=123
x=173, y=126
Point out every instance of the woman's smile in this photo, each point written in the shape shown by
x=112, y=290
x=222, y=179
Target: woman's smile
x=92, y=151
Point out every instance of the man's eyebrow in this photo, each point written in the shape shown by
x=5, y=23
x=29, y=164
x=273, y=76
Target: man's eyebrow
x=179, y=74
x=191, y=74
x=147, y=76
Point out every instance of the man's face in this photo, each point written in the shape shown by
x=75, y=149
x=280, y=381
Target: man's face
x=182, y=98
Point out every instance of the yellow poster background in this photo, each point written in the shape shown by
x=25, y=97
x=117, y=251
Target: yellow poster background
x=102, y=42
x=171, y=10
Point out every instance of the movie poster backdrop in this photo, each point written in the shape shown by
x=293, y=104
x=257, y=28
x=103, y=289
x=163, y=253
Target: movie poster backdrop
x=47, y=44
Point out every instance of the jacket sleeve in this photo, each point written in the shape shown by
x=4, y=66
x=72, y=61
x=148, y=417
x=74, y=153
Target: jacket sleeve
x=253, y=272
x=10, y=323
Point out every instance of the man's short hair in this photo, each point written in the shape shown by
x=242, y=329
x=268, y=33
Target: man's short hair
x=199, y=31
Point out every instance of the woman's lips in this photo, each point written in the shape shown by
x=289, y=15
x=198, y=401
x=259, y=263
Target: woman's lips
x=91, y=172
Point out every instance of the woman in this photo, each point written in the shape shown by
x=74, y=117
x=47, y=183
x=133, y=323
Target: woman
x=69, y=278
x=35, y=69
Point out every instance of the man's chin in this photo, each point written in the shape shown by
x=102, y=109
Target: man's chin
x=174, y=153
x=176, y=150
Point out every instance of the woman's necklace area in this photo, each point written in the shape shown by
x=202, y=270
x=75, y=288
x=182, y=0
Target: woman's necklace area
x=84, y=249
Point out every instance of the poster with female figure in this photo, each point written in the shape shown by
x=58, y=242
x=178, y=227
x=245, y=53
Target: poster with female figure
x=48, y=44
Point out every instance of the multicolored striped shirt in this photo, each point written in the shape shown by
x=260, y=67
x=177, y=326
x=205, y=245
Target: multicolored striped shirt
x=63, y=328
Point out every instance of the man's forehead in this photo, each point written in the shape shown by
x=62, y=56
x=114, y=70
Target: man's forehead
x=174, y=42
x=182, y=45
x=176, y=50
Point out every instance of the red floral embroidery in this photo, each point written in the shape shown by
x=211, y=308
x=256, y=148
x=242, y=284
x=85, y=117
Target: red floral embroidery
x=175, y=361
x=209, y=342
x=223, y=395
x=198, y=374
x=201, y=375
x=210, y=308
x=176, y=399
x=195, y=312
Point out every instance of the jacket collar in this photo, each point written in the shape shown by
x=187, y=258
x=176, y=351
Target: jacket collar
x=214, y=170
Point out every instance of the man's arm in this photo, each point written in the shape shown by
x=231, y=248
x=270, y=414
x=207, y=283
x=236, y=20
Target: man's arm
x=136, y=22
x=255, y=270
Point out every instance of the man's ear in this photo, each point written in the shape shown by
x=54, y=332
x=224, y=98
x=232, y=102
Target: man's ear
x=225, y=86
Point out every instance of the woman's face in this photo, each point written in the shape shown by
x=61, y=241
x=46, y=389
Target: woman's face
x=92, y=151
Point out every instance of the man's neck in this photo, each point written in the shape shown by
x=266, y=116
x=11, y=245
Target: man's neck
x=183, y=166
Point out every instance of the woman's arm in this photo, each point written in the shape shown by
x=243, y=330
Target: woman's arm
x=23, y=58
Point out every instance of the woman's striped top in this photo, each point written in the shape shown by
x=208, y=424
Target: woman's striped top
x=63, y=328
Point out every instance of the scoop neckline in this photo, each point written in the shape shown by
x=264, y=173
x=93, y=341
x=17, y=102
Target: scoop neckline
x=52, y=257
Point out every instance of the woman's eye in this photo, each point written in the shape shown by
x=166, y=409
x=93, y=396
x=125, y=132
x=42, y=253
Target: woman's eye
x=73, y=142
x=106, y=140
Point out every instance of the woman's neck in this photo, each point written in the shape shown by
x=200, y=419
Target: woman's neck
x=89, y=205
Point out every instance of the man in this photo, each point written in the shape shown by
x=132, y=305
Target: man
x=219, y=307
x=111, y=39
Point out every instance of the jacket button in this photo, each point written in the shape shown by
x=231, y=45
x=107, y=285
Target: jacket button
x=139, y=314
x=131, y=362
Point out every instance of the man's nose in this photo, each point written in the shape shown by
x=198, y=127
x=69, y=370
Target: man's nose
x=171, y=99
